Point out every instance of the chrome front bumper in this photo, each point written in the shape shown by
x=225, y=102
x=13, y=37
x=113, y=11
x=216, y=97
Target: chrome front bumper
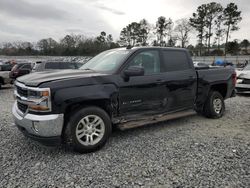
x=242, y=88
x=38, y=125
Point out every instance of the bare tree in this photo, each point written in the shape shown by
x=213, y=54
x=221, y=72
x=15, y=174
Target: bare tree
x=231, y=17
x=213, y=11
x=198, y=22
x=182, y=30
x=219, y=30
x=163, y=29
x=144, y=32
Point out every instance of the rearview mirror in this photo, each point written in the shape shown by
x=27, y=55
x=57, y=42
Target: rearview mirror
x=134, y=71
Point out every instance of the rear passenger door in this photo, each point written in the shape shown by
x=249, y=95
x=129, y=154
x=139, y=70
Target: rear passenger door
x=180, y=79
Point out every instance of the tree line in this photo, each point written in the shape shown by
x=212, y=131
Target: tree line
x=211, y=22
x=68, y=46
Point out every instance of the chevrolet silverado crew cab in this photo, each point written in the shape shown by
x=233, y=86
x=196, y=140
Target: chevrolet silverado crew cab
x=122, y=88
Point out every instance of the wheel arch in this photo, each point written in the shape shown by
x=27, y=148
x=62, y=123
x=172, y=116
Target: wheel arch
x=221, y=88
x=104, y=104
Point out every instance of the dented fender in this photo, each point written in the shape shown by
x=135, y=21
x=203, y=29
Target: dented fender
x=66, y=97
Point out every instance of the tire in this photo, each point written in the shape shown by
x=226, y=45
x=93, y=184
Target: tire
x=88, y=129
x=214, y=106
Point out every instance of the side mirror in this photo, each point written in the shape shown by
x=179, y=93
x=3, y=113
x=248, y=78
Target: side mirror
x=134, y=71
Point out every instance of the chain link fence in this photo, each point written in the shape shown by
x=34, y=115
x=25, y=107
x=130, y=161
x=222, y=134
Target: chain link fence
x=233, y=59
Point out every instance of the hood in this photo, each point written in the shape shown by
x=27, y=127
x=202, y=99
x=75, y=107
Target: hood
x=243, y=74
x=242, y=71
x=37, y=78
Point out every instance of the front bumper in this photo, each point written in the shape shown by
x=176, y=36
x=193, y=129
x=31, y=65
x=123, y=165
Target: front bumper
x=46, y=129
x=243, y=88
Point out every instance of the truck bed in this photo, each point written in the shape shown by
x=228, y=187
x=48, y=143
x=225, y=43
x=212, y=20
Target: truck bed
x=213, y=75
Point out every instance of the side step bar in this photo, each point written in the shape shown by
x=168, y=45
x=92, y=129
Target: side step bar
x=154, y=119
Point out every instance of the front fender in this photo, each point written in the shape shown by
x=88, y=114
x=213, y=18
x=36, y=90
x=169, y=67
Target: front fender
x=75, y=95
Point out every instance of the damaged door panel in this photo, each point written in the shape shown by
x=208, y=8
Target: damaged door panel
x=147, y=93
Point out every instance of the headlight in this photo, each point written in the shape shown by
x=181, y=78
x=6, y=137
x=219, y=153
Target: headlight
x=239, y=81
x=39, y=100
x=38, y=94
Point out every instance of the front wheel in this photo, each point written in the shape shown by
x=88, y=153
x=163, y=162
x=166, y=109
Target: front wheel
x=88, y=129
x=214, y=106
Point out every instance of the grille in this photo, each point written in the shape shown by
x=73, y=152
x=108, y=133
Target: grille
x=242, y=89
x=22, y=107
x=22, y=92
x=246, y=81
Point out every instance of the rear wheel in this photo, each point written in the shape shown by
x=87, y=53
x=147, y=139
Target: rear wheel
x=88, y=129
x=214, y=106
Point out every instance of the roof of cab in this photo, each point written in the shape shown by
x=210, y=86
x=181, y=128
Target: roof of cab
x=149, y=47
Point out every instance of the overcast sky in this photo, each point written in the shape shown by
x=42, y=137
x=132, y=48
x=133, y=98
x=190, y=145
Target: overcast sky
x=31, y=20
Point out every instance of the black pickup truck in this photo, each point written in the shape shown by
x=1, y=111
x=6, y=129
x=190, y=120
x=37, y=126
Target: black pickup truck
x=122, y=88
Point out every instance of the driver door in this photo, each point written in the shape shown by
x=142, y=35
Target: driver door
x=143, y=94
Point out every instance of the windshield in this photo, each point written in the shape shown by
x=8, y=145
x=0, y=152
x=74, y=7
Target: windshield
x=107, y=61
x=247, y=67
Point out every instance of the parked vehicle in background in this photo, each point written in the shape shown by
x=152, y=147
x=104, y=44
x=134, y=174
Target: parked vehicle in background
x=20, y=69
x=5, y=68
x=244, y=70
x=243, y=80
x=122, y=87
x=4, y=78
x=50, y=65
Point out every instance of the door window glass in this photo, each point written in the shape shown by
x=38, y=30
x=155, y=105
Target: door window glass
x=149, y=60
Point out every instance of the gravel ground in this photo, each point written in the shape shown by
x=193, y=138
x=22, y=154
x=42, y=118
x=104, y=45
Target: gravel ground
x=188, y=152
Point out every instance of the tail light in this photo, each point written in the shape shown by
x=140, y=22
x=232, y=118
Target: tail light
x=234, y=78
